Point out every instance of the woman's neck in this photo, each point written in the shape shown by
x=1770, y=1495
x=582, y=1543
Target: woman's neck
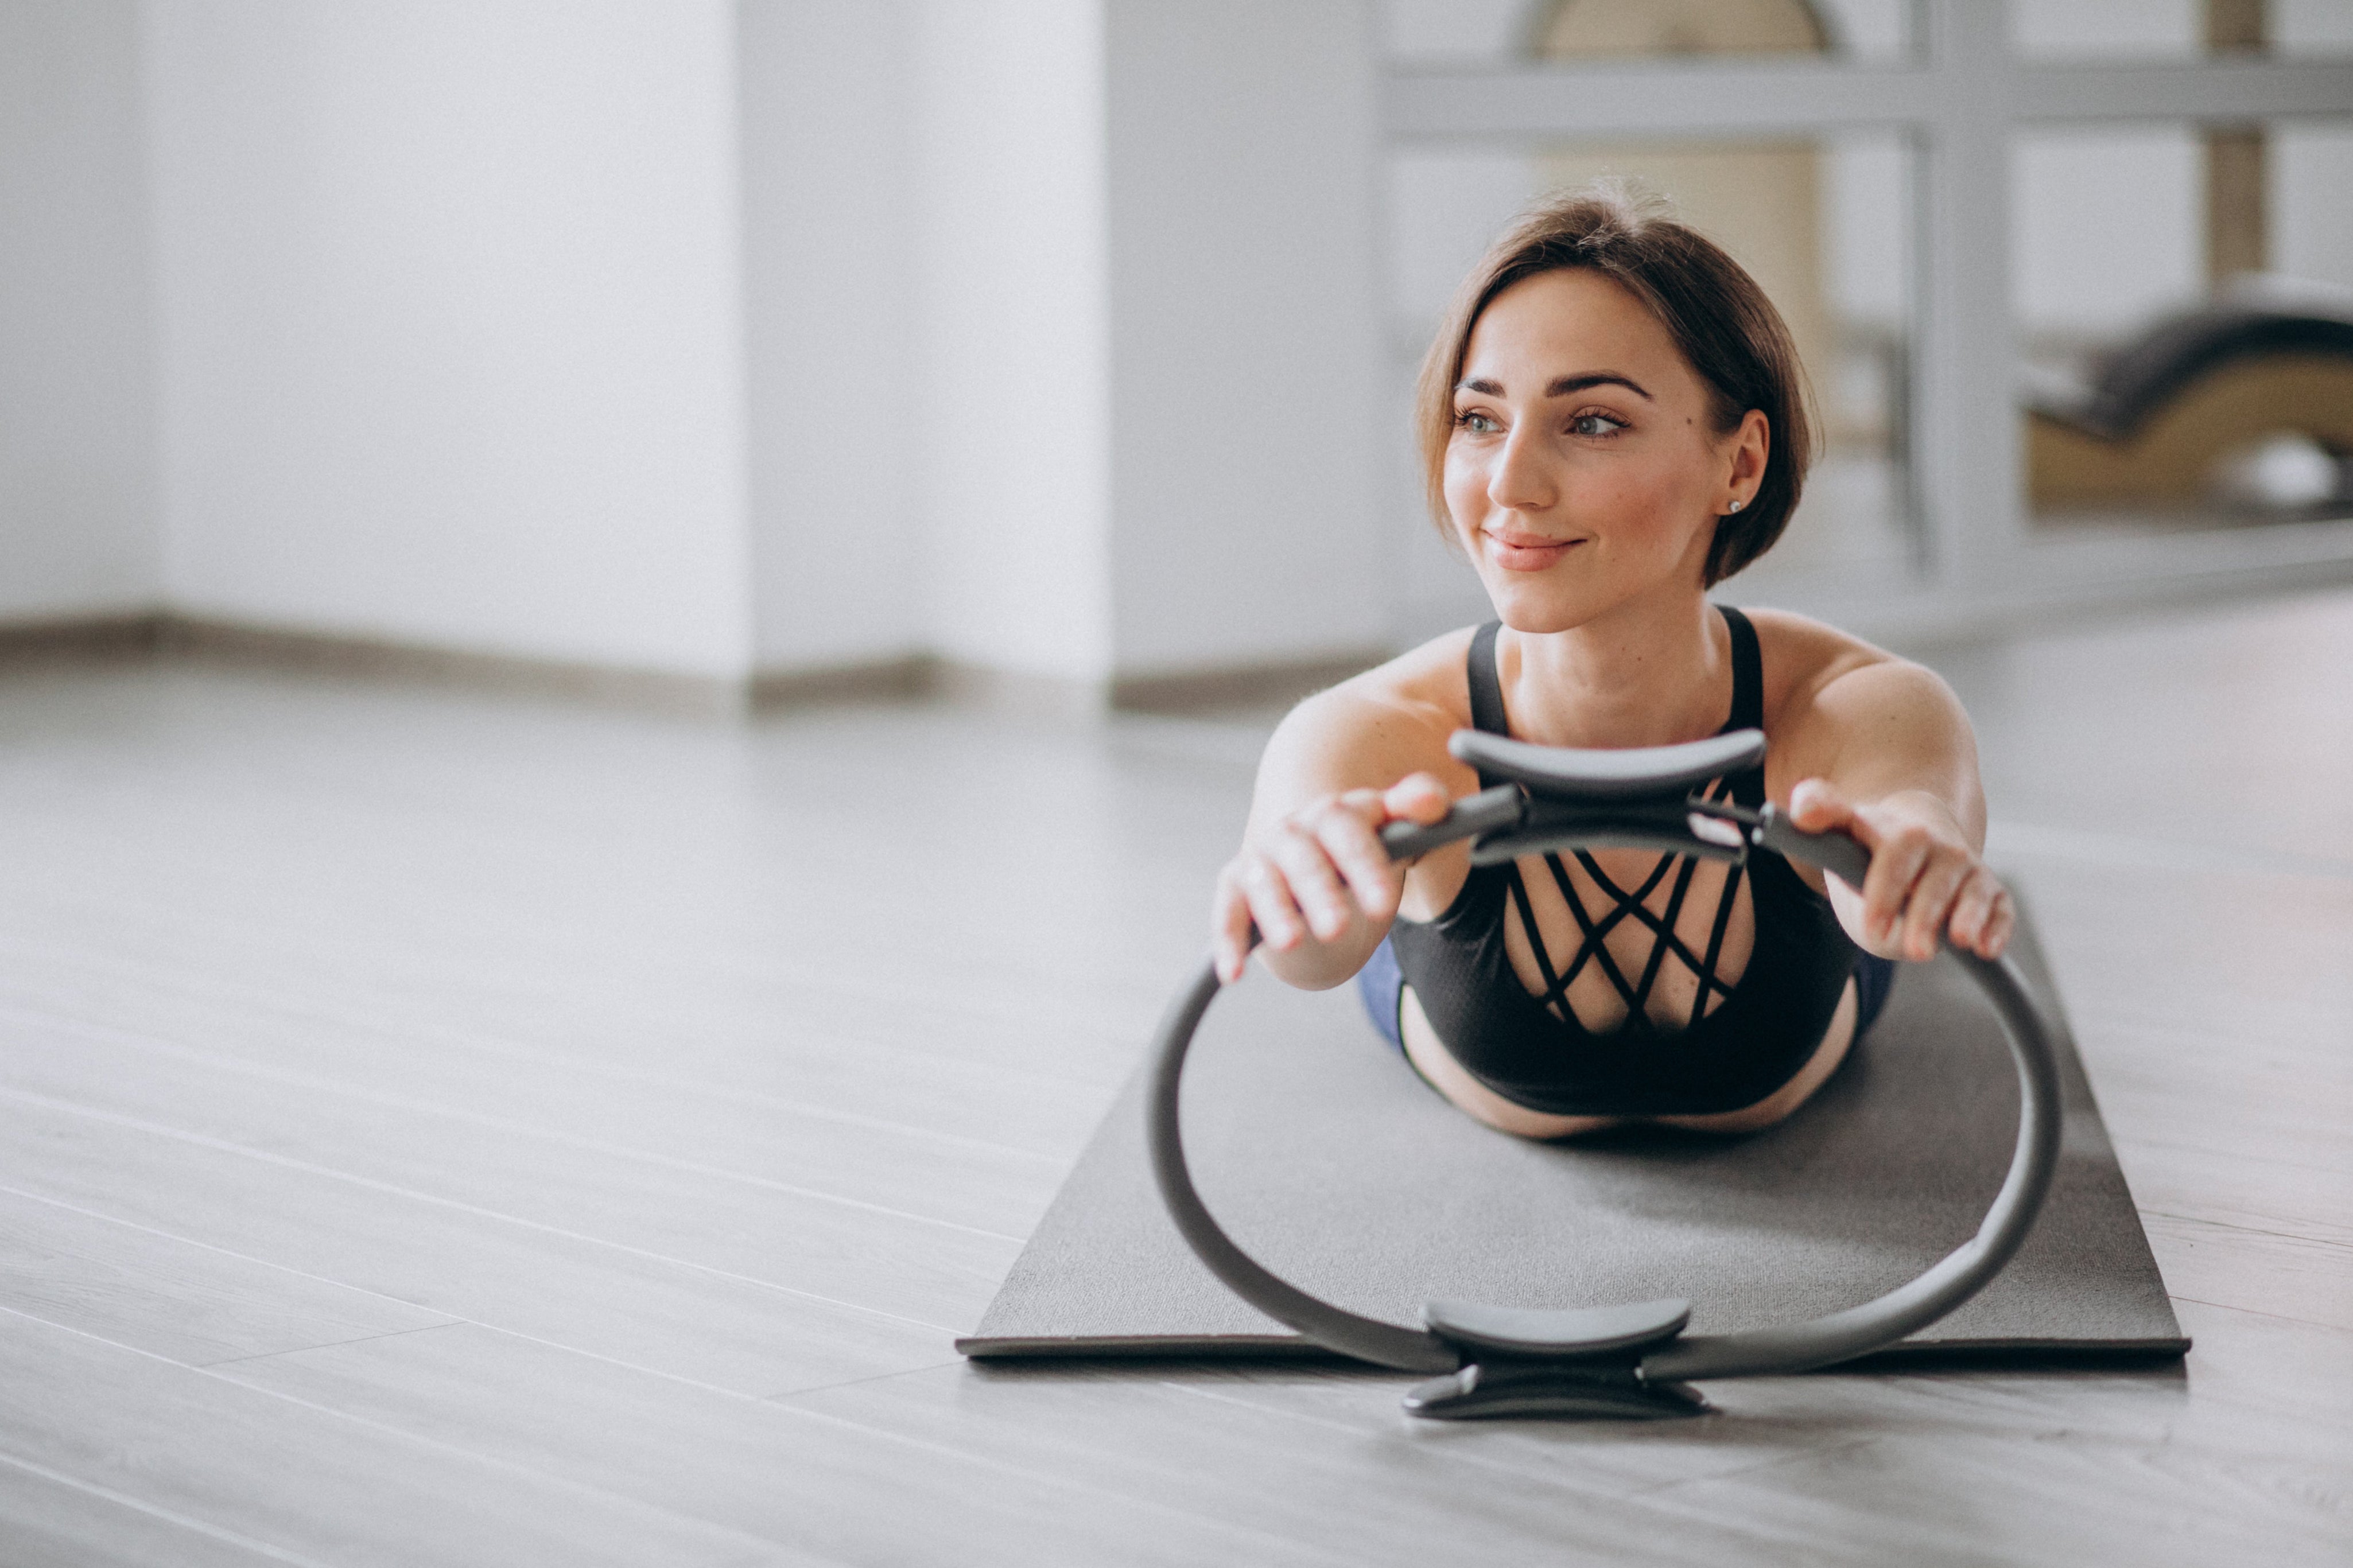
x=1641, y=675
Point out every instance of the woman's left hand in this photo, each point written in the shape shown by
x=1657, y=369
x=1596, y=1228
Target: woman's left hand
x=1926, y=883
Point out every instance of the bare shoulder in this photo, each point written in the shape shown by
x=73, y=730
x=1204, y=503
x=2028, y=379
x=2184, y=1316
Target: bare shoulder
x=1373, y=729
x=1802, y=655
x=1828, y=692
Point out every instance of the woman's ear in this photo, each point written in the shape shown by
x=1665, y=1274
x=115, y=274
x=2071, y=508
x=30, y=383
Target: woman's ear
x=1752, y=444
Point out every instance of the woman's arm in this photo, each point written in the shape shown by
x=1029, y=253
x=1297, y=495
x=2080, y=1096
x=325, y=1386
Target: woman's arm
x=1887, y=754
x=1312, y=874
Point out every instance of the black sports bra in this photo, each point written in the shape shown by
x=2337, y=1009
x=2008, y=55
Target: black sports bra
x=1531, y=1048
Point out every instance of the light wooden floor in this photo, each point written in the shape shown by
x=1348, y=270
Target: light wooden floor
x=441, y=1129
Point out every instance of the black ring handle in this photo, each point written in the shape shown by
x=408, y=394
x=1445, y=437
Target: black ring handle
x=1490, y=811
x=1334, y=1328
x=1839, y=1336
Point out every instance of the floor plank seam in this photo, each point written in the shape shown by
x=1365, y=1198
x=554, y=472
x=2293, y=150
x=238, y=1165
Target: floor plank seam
x=1448, y=1443
x=2176, y=1146
x=1823, y=1451
x=303, y=1350
x=1085, y=1489
x=222, y=1251
x=156, y=1510
x=452, y=1320
x=1452, y=1444
x=2330, y=1242
x=370, y=1183
x=418, y=1439
x=776, y=1402
x=501, y=1124
x=784, y=1395
x=2259, y=1312
x=1012, y=1010
x=1218, y=1396
x=710, y=1089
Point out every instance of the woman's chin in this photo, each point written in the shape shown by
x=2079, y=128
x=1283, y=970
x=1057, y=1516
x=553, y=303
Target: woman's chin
x=1549, y=602
x=1574, y=594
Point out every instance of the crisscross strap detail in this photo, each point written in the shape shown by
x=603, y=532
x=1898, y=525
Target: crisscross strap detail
x=1624, y=904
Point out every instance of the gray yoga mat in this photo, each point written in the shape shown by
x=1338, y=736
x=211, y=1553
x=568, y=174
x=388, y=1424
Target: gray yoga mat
x=1330, y=1162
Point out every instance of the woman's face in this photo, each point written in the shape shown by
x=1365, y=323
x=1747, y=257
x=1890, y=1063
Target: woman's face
x=1585, y=469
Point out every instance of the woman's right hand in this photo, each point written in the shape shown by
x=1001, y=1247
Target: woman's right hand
x=1318, y=873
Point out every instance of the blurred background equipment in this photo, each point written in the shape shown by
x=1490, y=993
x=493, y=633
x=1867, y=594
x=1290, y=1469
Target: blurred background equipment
x=2247, y=404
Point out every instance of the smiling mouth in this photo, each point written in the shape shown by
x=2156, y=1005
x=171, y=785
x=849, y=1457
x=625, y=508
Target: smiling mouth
x=1526, y=553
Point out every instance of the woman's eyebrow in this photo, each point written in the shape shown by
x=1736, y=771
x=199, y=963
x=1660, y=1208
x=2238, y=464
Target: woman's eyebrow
x=1564, y=386
x=1569, y=384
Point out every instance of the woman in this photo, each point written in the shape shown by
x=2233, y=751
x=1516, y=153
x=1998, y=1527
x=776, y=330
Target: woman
x=1610, y=425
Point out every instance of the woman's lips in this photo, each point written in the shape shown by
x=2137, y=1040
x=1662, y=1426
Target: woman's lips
x=1526, y=551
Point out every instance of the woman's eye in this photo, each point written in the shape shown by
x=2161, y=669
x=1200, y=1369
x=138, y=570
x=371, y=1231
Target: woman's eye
x=1478, y=424
x=1594, y=424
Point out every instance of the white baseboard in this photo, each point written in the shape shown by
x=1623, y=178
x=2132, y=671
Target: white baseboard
x=166, y=635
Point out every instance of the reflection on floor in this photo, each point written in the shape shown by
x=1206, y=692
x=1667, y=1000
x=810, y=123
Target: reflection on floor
x=440, y=1129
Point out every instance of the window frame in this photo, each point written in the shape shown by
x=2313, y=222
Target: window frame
x=1958, y=102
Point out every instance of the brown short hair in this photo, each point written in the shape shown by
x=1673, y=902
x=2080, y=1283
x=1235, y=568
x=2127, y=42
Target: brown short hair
x=1728, y=330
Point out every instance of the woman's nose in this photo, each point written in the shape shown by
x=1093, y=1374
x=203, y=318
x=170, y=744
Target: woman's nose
x=1520, y=480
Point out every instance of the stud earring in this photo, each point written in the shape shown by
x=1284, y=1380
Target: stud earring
x=1735, y=506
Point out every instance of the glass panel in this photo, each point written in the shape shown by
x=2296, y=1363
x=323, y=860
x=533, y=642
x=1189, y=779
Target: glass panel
x=1435, y=32
x=2109, y=30
x=2185, y=299
x=1455, y=32
x=1824, y=225
x=2321, y=27
x=2133, y=30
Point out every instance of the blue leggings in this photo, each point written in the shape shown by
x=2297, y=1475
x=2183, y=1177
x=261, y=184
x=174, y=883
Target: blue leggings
x=1382, y=986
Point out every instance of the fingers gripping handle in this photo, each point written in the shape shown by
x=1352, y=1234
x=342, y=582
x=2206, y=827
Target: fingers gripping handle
x=1489, y=811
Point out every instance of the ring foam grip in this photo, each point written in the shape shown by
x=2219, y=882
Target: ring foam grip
x=1567, y=773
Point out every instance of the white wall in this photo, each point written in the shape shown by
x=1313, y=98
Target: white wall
x=1123, y=429
x=838, y=575
x=1247, y=373
x=77, y=532
x=1007, y=422
x=742, y=334
x=451, y=339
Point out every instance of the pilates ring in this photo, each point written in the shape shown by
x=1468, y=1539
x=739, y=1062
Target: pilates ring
x=1632, y=1360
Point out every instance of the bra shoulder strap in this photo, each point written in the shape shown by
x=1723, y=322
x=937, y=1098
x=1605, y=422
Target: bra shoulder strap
x=1748, y=671
x=1747, y=698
